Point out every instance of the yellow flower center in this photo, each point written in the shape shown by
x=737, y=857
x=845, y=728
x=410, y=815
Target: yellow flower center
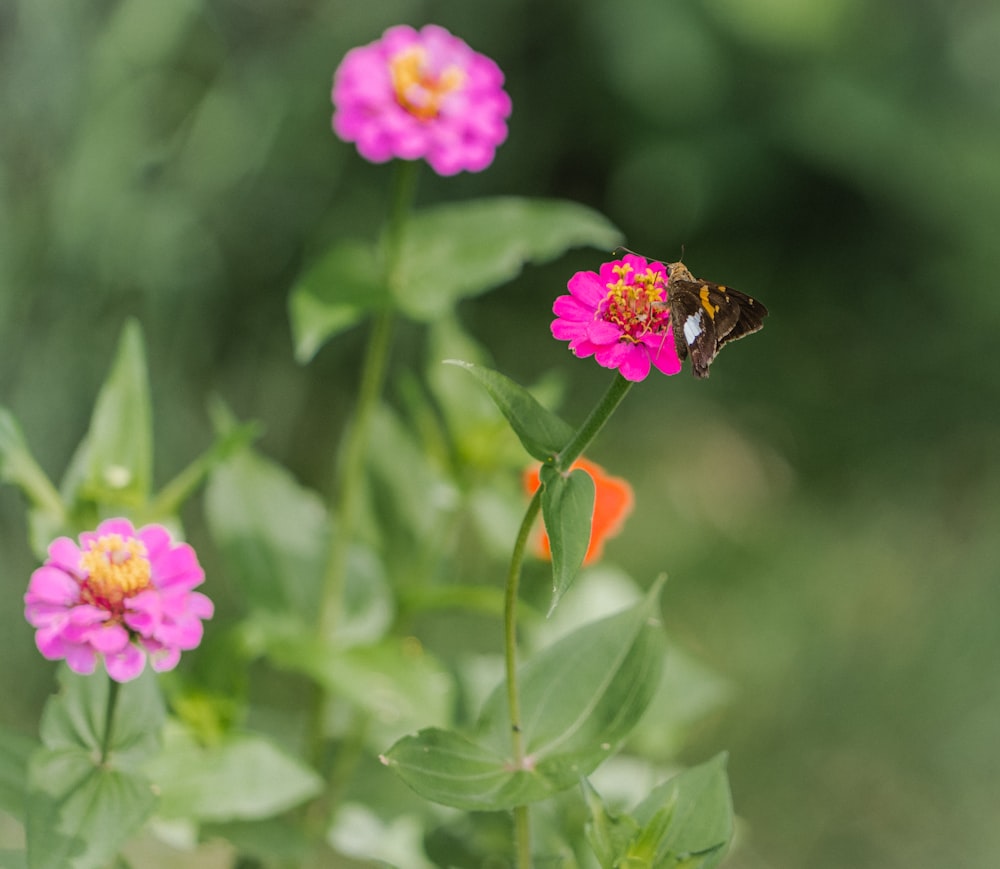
x=637, y=306
x=116, y=568
x=419, y=89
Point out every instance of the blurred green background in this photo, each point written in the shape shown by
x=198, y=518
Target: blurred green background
x=827, y=504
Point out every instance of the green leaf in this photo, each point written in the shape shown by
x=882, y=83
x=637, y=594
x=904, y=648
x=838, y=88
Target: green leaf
x=568, y=513
x=540, y=431
x=448, y=768
x=19, y=468
x=334, y=295
x=15, y=750
x=580, y=698
x=450, y=252
x=689, y=818
x=80, y=814
x=47, y=517
x=272, y=531
x=75, y=718
x=114, y=463
x=80, y=810
x=244, y=777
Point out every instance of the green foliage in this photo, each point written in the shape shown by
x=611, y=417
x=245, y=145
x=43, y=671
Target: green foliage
x=242, y=777
x=15, y=751
x=81, y=808
x=448, y=253
x=684, y=822
x=581, y=697
x=113, y=465
x=567, y=508
x=272, y=532
x=460, y=250
x=542, y=433
x=335, y=294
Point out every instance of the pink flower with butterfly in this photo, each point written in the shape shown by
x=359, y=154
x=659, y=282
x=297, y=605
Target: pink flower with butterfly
x=421, y=95
x=119, y=594
x=620, y=317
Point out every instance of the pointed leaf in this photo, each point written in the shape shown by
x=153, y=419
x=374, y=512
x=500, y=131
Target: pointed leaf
x=584, y=694
x=335, y=294
x=18, y=467
x=114, y=463
x=540, y=431
x=568, y=513
x=450, y=252
x=580, y=698
x=243, y=777
x=690, y=817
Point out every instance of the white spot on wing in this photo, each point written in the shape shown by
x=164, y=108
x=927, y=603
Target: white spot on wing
x=693, y=328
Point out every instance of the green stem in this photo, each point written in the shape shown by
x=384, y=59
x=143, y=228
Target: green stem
x=369, y=391
x=352, y=465
x=522, y=830
x=594, y=423
x=352, y=471
x=563, y=460
x=109, y=714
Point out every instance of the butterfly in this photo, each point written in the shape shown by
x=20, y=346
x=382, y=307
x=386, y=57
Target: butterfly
x=706, y=316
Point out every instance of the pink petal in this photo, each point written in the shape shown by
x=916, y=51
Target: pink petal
x=81, y=659
x=604, y=332
x=178, y=567
x=52, y=586
x=588, y=288
x=156, y=539
x=163, y=659
x=571, y=308
x=108, y=640
x=50, y=643
x=118, y=526
x=635, y=364
x=568, y=330
x=64, y=554
x=126, y=665
x=665, y=356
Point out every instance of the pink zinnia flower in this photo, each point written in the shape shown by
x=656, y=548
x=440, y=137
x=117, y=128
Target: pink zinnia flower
x=421, y=95
x=620, y=317
x=120, y=594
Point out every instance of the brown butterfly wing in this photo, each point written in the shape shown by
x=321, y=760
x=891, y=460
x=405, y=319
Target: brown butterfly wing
x=695, y=332
x=706, y=316
x=750, y=319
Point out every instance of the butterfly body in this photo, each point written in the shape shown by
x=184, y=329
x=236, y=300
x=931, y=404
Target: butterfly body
x=706, y=316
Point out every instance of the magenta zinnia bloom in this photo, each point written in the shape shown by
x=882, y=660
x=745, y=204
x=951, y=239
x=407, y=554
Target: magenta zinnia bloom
x=120, y=594
x=421, y=95
x=620, y=317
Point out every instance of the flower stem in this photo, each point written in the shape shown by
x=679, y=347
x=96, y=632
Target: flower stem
x=587, y=432
x=369, y=391
x=522, y=831
x=352, y=471
x=594, y=423
x=352, y=464
x=109, y=714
